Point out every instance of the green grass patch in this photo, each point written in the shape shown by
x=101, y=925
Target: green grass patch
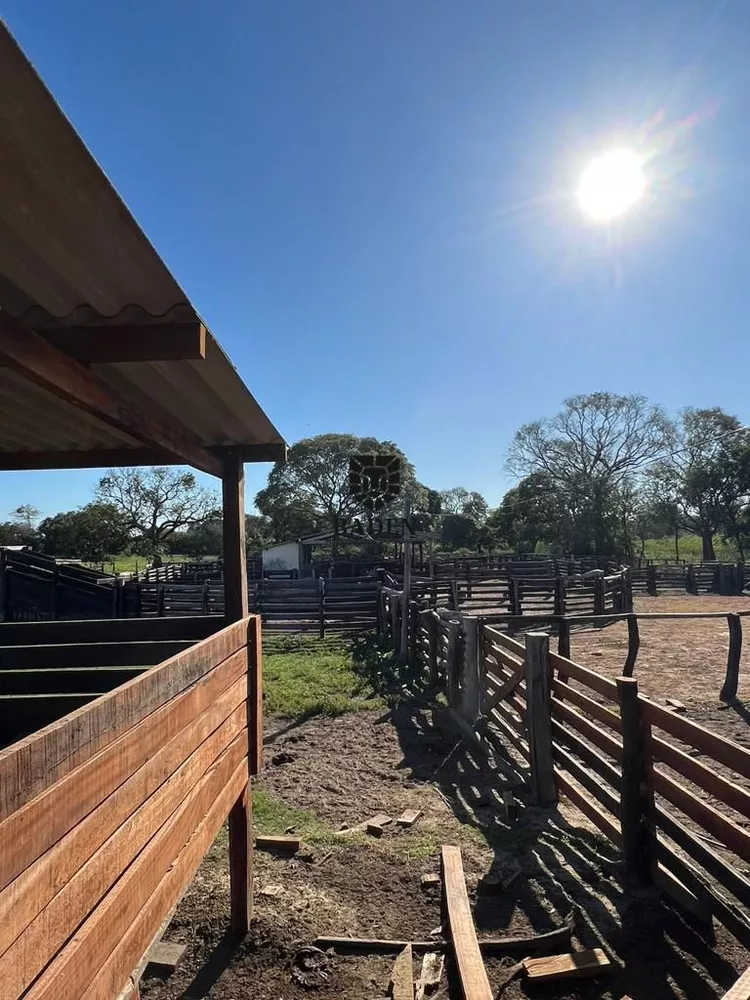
x=305, y=676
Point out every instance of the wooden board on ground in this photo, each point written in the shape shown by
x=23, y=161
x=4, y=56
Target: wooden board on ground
x=408, y=817
x=375, y=825
x=741, y=989
x=471, y=970
x=164, y=958
x=402, y=977
x=289, y=845
x=431, y=974
x=575, y=965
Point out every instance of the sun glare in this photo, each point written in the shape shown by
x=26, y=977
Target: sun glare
x=611, y=184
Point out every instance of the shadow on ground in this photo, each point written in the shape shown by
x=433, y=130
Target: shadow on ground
x=659, y=951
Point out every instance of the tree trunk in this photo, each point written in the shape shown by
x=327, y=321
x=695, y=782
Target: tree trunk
x=677, y=544
x=707, y=538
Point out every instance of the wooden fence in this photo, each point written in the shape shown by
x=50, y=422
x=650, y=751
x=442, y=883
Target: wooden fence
x=669, y=793
x=106, y=814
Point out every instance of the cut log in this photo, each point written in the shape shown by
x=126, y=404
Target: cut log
x=164, y=958
x=289, y=845
x=408, y=817
x=430, y=881
x=431, y=974
x=575, y=965
x=402, y=977
x=471, y=970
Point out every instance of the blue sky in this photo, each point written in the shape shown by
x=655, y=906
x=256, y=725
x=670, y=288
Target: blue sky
x=372, y=203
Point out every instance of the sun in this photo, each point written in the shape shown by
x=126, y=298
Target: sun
x=611, y=184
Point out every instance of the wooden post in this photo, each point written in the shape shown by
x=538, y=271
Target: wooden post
x=732, y=679
x=235, y=553
x=470, y=694
x=563, y=642
x=636, y=794
x=379, y=606
x=691, y=584
x=205, y=598
x=453, y=663
x=599, y=595
x=514, y=595
x=634, y=643
x=432, y=630
x=393, y=608
x=559, y=595
x=236, y=606
x=468, y=580
x=404, y=643
x=160, y=600
x=538, y=718
x=322, y=606
x=454, y=594
x=3, y=584
x=651, y=581
x=55, y=592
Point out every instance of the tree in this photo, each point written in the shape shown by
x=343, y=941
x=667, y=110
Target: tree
x=286, y=518
x=706, y=477
x=529, y=513
x=315, y=477
x=156, y=503
x=467, y=503
x=198, y=540
x=91, y=533
x=459, y=532
x=598, y=446
x=25, y=514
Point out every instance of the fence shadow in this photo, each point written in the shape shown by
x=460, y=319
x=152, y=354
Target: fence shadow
x=545, y=864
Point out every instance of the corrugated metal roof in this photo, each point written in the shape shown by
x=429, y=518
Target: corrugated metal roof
x=71, y=252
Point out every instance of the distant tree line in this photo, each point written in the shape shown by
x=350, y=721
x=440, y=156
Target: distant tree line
x=600, y=477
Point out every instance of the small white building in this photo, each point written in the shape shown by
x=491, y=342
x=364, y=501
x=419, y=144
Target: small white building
x=286, y=557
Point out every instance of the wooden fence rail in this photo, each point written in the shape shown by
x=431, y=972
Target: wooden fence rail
x=672, y=795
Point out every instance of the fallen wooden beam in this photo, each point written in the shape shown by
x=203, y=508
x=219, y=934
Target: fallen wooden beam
x=575, y=965
x=471, y=970
x=287, y=844
x=375, y=825
x=164, y=958
x=402, y=977
x=558, y=938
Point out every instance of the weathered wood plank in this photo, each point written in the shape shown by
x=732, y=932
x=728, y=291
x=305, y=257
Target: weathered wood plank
x=66, y=680
x=255, y=693
x=241, y=862
x=538, y=719
x=35, y=827
x=471, y=970
x=609, y=827
x=28, y=894
x=741, y=989
x=89, y=951
x=715, y=784
x=565, y=692
x=402, y=976
x=717, y=747
x=602, y=685
x=108, y=345
x=95, y=654
x=28, y=767
x=78, y=897
x=575, y=965
x=565, y=714
x=108, y=630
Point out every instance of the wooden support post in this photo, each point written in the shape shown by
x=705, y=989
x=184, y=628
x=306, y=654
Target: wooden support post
x=634, y=644
x=321, y=606
x=453, y=664
x=471, y=688
x=538, y=717
x=563, y=641
x=691, y=583
x=636, y=793
x=379, y=607
x=651, y=581
x=235, y=553
x=740, y=570
x=432, y=635
x=55, y=602
x=454, y=594
x=160, y=600
x=599, y=595
x=241, y=863
x=393, y=608
x=468, y=581
x=204, y=603
x=3, y=585
x=560, y=595
x=732, y=679
x=255, y=694
x=413, y=633
x=514, y=595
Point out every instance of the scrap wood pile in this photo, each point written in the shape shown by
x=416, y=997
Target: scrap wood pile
x=460, y=941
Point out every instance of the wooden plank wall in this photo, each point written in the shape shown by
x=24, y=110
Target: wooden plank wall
x=107, y=813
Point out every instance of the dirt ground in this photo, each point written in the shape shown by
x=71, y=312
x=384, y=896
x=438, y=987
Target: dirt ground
x=349, y=768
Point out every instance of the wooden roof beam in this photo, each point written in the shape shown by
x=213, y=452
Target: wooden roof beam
x=114, y=345
x=29, y=354
x=115, y=458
